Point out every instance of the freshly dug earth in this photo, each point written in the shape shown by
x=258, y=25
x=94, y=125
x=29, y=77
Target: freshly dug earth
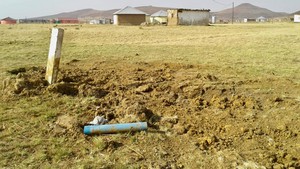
x=196, y=119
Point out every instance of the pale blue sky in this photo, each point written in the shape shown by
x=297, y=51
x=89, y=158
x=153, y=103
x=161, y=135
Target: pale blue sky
x=35, y=8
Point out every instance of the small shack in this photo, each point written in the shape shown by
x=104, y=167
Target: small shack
x=247, y=20
x=8, y=21
x=33, y=21
x=69, y=21
x=160, y=17
x=296, y=18
x=213, y=19
x=105, y=21
x=102, y=21
x=94, y=22
x=129, y=16
x=261, y=19
x=188, y=17
x=65, y=21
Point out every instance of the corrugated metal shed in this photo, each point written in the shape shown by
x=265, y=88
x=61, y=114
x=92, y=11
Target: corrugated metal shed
x=129, y=10
x=188, y=16
x=160, y=13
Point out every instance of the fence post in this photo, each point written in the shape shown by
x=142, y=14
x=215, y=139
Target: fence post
x=54, y=55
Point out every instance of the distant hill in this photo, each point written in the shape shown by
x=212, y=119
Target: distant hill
x=100, y=14
x=109, y=13
x=296, y=13
x=92, y=13
x=74, y=14
x=247, y=10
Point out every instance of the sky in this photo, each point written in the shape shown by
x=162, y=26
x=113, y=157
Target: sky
x=35, y=8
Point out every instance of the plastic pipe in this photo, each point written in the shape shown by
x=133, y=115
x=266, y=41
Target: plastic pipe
x=114, y=128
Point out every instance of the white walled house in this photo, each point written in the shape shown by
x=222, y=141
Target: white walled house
x=160, y=17
x=94, y=21
x=297, y=18
x=261, y=19
x=129, y=16
x=213, y=19
x=188, y=17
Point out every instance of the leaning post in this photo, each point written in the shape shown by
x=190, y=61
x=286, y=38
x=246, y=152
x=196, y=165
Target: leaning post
x=54, y=55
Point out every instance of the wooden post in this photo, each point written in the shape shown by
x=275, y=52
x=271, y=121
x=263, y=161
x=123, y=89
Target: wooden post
x=232, y=19
x=54, y=55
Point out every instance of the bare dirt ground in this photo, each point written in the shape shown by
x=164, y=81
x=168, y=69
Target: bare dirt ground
x=196, y=119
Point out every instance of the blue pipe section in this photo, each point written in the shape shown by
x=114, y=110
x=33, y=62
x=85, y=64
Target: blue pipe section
x=115, y=128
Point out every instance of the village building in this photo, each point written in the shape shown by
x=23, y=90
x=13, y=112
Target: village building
x=129, y=16
x=65, y=21
x=246, y=20
x=105, y=21
x=261, y=19
x=148, y=18
x=33, y=21
x=213, y=19
x=160, y=17
x=102, y=21
x=188, y=17
x=94, y=22
x=8, y=21
x=296, y=18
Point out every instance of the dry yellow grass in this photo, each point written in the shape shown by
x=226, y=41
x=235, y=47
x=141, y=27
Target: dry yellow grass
x=255, y=49
x=231, y=51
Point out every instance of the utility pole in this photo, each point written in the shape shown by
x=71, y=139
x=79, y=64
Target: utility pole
x=232, y=12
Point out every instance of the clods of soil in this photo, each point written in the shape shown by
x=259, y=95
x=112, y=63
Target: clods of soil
x=196, y=118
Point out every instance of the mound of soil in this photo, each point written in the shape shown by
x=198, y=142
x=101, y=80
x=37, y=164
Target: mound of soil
x=232, y=122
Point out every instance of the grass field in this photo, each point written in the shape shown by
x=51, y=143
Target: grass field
x=255, y=49
x=265, y=57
